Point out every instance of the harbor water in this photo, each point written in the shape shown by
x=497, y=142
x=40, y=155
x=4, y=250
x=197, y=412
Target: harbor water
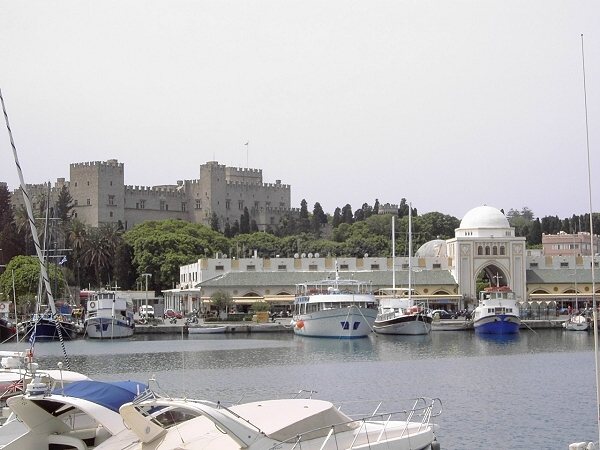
x=535, y=390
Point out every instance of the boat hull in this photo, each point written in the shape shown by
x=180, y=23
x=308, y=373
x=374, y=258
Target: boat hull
x=207, y=330
x=413, y=324
x=46, y=330
x=108, y=328
x=345, y=323
x=497, y=324
x=577, y=323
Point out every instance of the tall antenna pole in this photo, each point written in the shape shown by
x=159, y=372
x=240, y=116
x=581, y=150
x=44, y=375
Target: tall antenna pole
x=595, y=315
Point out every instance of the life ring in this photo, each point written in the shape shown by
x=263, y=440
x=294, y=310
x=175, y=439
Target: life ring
x=300, y=324
x=92, y=305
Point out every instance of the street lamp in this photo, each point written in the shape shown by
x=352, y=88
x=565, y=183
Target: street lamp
x=146, y=275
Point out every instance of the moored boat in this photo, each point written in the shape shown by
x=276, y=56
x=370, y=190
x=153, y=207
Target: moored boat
x=200, y=329
x=335, y=308
x=576, y=322
x=108, y=316
x=293, y=423
x=497, y=312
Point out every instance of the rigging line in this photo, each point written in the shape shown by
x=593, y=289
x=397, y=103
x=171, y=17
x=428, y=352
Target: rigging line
x=595, y=309
x=36, y=241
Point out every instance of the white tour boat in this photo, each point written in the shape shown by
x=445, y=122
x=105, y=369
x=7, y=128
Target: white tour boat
x=334, y=308
x=108, y=316
x=497, y=312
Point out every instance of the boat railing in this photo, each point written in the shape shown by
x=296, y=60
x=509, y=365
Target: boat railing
x=423, y=410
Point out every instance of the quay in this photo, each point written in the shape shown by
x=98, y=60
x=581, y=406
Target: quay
x=282, y=325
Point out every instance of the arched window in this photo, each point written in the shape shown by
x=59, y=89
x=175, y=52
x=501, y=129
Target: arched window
x=494, y=250
x=480, y=250
x=502, y=250
x=487, y=249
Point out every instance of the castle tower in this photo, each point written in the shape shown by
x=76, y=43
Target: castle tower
x=98, y=191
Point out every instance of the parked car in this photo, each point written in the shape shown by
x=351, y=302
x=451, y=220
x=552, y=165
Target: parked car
x=146, y=311
x=441, y=314
x=172, y=314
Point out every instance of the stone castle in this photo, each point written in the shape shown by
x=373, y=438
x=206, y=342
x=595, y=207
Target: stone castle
x=100, y=196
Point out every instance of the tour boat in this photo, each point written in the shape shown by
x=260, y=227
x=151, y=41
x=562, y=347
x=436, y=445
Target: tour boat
x=334, y=308
x=108, y=316
x=497, y=312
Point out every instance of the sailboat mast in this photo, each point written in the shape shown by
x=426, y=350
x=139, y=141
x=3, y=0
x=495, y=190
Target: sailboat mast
x=394, y=254
x=594, y=306
x=409, y=250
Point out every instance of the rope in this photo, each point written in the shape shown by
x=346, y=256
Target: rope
x=38, y=250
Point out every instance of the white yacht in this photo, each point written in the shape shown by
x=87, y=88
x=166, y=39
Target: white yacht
x=497, y=312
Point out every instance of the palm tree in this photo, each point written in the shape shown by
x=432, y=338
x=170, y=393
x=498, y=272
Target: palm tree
x=77, y=237
x=99, y=250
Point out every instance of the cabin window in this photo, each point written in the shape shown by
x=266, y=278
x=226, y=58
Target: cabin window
x=437, y=266
x=282, y=267
x=251, y=268
x=533, y=265
x=219, y=268
x=343, y=266
x=564, y=264
x=313, y=267
x=374, y=266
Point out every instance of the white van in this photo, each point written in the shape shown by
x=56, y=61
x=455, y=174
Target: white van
x=146, y=311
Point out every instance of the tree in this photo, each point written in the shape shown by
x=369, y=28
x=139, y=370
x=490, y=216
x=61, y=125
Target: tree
x=221, y=300
x=337, y=218
x=347, y=216
x=214, y=222
x=161, y=247
x=245, y=221
x=11, y=241
x=64, y=204
x=376, y=207
x=403, y=208
x=26, y=271
x=303, y=220
x=319, y=218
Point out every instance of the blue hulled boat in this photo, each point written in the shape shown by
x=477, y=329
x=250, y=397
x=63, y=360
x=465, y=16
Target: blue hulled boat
x=497, y=312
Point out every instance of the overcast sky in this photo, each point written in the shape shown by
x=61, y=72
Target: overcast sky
x=449, y=104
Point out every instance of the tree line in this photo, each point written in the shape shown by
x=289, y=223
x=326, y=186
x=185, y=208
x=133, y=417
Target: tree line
x=108, y=255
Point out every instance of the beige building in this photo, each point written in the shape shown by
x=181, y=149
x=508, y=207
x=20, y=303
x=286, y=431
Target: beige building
x=565, y=244
x=100, y=195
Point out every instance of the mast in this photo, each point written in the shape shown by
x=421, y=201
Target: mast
x=595, y=309
x=394, y=254
x=410, y=251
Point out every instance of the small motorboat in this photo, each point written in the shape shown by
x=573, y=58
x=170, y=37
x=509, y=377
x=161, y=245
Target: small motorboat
x=576, y=323
x=200, y=329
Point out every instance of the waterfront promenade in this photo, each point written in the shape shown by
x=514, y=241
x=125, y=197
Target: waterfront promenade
x=283, y=325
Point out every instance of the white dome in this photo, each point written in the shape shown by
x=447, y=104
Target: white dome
x=434, y=248
x=484, y=217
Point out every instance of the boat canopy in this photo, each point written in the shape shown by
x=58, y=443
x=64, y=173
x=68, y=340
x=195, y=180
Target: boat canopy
x=111, y=395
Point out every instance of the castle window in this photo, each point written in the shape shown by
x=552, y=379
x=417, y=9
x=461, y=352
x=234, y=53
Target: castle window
x=89, y=202
x=88, y=183
x=162, y=205
x=76, y=184
x=76, y=202
x=111, y=183
x=240, y=204
x=137, y=206
x=142, y=204
x=111, y=200
x=111, y=214
x=183, y=206
x=255, y=205
x=227, y=204
x=198, y=203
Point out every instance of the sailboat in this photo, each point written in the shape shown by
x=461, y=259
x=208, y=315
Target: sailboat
x=400, y=315
x=576, y=322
